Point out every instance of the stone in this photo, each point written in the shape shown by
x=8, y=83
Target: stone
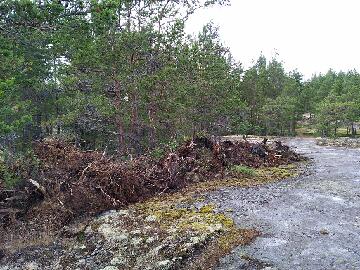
x=136, y=241
x=110, y=267
x=150, y=240
x=31, y=266
x=324, y=232
x=111, y=233
x=164, y=263
x=150, y=218
x=117, y=260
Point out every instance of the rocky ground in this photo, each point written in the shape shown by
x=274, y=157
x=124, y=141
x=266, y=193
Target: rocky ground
x=312, y=222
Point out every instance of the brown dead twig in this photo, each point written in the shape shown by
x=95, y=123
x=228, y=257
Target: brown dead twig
x=74, y=183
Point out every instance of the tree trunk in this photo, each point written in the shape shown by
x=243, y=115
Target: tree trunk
x=118, y=118
x=353, y=130
x=152, y=126
x=135, y=122
x=293, y=127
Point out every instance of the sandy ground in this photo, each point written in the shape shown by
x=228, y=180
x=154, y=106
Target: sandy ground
x=312, y=222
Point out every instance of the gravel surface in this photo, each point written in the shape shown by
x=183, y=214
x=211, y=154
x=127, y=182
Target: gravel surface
x=312, y=222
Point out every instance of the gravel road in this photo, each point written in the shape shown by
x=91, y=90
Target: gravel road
x=308, y=223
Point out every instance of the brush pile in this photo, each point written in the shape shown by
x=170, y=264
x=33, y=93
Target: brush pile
x=72, y=183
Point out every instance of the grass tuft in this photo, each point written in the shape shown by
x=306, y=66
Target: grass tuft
x=244, y=170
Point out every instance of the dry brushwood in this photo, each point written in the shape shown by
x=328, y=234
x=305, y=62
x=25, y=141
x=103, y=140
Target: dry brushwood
x=73, y=183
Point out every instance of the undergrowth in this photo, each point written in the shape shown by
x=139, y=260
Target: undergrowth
x=15, y=169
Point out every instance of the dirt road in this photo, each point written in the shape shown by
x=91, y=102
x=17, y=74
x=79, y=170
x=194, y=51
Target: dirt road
x=308, y=223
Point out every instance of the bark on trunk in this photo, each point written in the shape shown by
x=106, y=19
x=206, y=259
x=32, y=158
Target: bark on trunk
x=118, y=118
x=152, y=126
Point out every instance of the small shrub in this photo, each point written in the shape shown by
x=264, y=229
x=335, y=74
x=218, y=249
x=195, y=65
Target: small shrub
x=8, y=178
x=158, y=152
x=13, y=170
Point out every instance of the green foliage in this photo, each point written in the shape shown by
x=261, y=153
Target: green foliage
x=158, y=152
x=163, y=148
x=244, y=170
x=7, y=177
x=14, y=169
x=273, y=97
x=124, y=76
x=14, y=113
x=336, y=102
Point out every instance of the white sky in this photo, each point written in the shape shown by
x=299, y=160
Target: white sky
x=310, y=35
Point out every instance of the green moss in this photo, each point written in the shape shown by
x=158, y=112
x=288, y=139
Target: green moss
x=195, y=226
x=281, y=172
x=207, y=208
x=226, y=221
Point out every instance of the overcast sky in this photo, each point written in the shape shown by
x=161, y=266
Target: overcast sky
x=310, y=35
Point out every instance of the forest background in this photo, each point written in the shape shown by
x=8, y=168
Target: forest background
x=122, y=76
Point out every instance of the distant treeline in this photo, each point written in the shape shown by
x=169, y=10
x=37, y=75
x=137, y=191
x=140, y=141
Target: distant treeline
x=122, y=75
